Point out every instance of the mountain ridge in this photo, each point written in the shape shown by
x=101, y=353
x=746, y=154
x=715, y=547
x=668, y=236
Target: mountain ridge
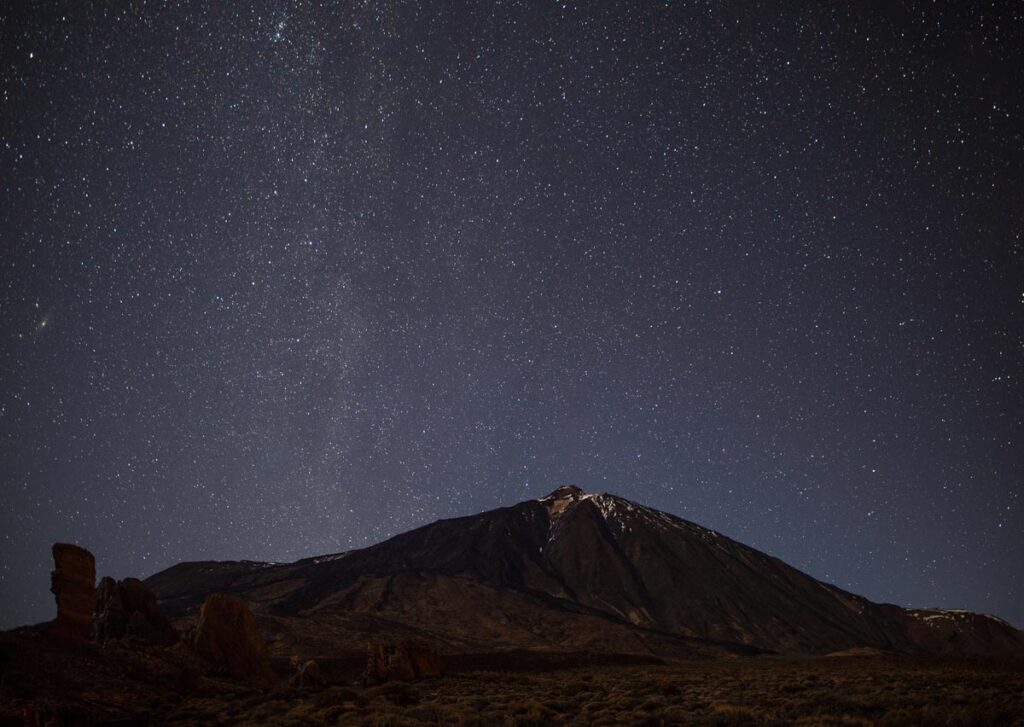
x=576, y=569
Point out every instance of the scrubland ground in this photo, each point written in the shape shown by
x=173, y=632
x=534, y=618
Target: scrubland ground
x=825, y=691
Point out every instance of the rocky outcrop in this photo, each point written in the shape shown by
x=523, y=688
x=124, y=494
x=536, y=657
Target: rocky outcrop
x=128, y=609
x=404, y=662
x=227, y=638
x=376, y=670
x=72, y=583
x=307, y=673
x=423, y=660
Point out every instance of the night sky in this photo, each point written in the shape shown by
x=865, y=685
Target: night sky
x=280, y=279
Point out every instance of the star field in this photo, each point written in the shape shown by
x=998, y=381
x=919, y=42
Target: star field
x=280, y=279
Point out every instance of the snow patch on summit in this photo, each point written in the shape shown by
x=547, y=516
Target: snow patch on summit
x=617, y=509
x=622, y=514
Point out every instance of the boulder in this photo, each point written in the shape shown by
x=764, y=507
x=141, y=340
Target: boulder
x=376, y=664
x=129, y=609
x=227, y=638
x=424, y=661
x=404, y=662
x=73, y=584
x=307, y=673
x=400, y=666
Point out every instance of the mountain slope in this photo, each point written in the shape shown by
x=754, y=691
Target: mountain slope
x=578, y=570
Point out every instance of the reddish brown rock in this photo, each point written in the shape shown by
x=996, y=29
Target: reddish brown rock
x=129, y=609
x=400, y=666
x=404, y=662
x=73, y=584
x=424, y=660
x=376, y=664
x=307, y=673
x=227, y=638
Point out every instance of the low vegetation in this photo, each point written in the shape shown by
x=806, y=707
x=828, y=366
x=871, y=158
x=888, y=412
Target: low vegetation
x=830, y=691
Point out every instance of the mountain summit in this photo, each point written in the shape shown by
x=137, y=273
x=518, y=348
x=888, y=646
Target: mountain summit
x=575, y=571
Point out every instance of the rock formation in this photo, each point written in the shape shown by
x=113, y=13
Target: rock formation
x=376, y=670
x=72, y=582
x=129, y=609
x=307, y=673
x=227, y=638
x=423, y=660
x=404, y=662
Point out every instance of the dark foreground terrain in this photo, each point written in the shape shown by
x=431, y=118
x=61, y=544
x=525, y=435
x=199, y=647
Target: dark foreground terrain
x=122, y=686
x=839, y=691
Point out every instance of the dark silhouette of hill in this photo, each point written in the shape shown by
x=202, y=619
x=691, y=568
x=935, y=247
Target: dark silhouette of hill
x=572, y=571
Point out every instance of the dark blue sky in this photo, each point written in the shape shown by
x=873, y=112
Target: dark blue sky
x=285, y=278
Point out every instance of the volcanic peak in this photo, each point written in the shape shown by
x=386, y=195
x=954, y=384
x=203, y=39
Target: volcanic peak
x=621, y=512
x=564, y=492
x=582, y=570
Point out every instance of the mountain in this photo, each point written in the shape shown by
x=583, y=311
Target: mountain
x=571, y=571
